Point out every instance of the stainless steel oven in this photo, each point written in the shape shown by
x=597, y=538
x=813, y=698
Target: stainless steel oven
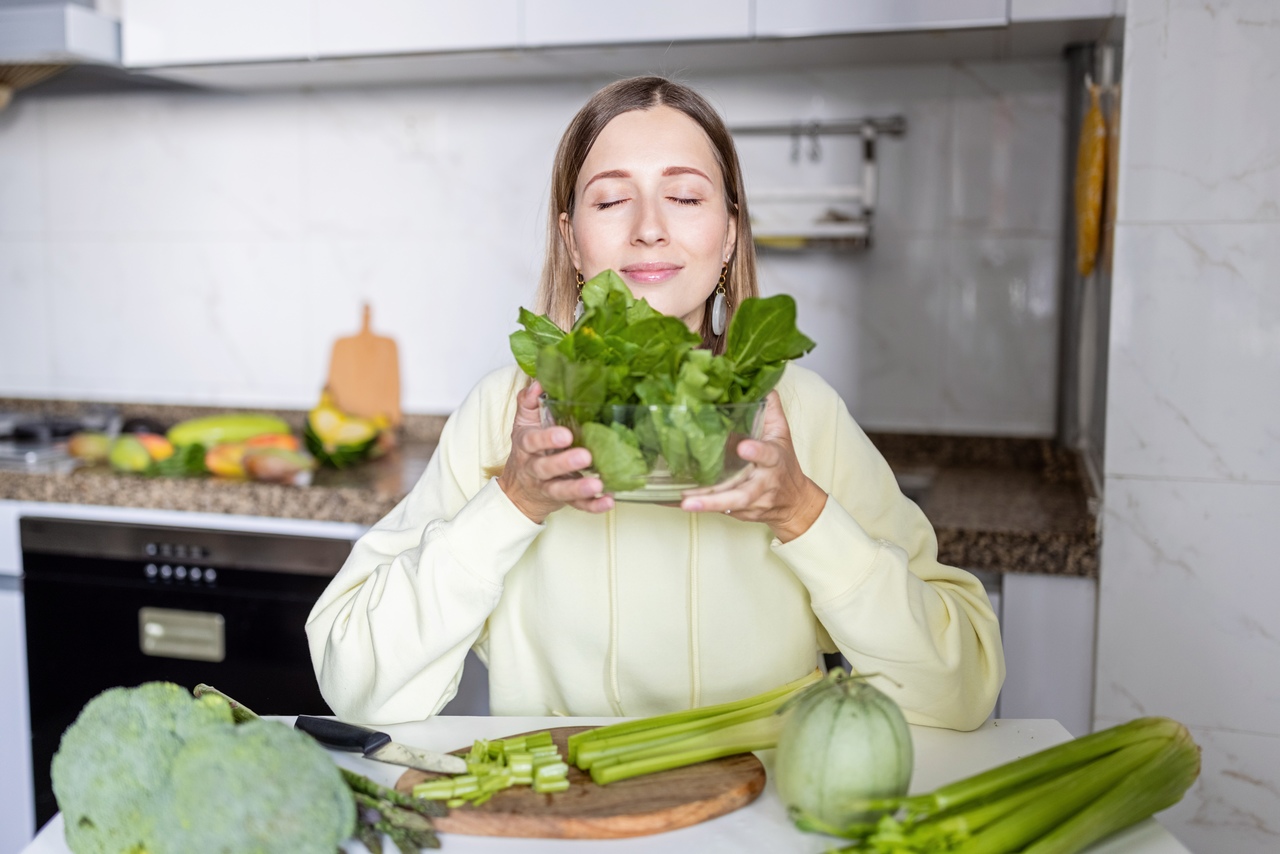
x=111, y=603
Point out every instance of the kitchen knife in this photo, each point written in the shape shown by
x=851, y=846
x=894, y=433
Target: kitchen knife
x=377, y=745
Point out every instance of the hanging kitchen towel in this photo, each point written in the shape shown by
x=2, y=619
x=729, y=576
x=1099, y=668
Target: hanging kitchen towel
x=364, y=374
x=1091, y=167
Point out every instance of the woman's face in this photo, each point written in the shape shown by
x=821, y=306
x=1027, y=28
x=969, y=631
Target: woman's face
x=651, y=207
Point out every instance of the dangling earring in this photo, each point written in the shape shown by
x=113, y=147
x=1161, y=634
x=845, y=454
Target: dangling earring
x=579, y=308
x=720, y=305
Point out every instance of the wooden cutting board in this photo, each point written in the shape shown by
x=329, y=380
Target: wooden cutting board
x=364, y=374
x=654, y=803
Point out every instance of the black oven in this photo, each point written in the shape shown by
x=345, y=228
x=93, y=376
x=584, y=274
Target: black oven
x=112, y=604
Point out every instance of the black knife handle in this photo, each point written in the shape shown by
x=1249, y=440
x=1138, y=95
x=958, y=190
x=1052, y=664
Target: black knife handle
x=340, y=736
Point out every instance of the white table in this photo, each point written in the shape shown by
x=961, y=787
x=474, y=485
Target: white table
x=941, y=757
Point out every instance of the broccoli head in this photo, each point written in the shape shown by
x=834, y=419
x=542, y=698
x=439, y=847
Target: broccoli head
x=153, y=770
x=115, y=758
x=259, y=787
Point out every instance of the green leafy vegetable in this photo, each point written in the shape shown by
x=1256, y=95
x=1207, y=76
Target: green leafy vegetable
x=654, y=397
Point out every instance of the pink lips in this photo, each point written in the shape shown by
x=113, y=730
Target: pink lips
x=650, y=272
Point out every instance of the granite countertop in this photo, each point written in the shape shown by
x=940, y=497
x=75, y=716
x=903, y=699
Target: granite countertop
x=997, y=504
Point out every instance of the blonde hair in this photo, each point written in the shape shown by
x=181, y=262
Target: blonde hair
x=558, y=288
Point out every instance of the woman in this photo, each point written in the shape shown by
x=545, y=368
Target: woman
x=582, y=606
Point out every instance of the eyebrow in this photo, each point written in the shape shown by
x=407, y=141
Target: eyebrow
x=666, y=173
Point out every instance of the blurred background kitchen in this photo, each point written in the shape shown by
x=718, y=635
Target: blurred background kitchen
x=197, y=198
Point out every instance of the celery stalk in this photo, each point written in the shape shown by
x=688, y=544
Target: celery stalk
x=658, y=722
x=1158, y=785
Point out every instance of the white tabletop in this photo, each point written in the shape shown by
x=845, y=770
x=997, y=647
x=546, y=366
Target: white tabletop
x=941, y=756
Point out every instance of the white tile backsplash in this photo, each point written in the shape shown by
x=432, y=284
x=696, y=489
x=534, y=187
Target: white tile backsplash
x=1194, y=370
x=26, y=349
x=239, y=234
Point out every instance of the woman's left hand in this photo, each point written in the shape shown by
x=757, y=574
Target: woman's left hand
x=774, y=490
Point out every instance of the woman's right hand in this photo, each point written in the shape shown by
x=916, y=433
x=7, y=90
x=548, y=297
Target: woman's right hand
x=538, y=482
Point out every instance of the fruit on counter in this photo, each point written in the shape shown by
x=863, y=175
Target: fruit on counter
x=153, y=769
x=89, y=446
x=663, y=742
x=287, y=441
x=276, y=465
x=128, y=454
x=340, y=439
x=226, y=460
x=843, y=741
x=157, y=446
x=1057, y=801
x=213, y=430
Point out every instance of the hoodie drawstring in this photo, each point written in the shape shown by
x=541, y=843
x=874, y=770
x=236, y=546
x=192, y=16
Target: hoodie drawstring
x=615, y=697
x=695, y=656
x=695, y=689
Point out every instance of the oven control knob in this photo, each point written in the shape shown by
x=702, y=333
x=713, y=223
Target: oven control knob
x=210, y=574
x=166, y=571
x=181, y=572
x=151, y=570
x=152, y=549
x=195, y=573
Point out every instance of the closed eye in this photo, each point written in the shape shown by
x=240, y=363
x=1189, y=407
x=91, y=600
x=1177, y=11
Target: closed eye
x=601, y=206
x=680, y=201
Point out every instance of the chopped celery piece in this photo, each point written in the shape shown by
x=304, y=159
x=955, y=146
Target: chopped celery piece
x=550, y=786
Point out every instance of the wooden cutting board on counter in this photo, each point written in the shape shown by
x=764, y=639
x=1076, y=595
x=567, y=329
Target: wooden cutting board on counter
x=364, y=374
x=654, y=803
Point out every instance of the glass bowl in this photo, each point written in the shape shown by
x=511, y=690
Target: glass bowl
x=657, y=452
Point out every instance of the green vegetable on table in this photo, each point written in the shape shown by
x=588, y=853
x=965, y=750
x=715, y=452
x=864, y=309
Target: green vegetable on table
x=1057, y=801
x=153, y=770
x=623, y=352
x=843, y=741
x=660, y=743
x=527, y=760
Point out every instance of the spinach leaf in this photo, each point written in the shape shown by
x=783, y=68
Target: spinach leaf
x=624, y=352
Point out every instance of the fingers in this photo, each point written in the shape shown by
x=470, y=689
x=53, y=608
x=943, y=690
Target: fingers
x=538, y=440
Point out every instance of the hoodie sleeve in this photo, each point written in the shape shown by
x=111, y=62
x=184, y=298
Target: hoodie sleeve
x=870, y=564
x=389, y=635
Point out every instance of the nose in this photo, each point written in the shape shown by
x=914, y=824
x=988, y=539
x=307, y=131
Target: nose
x=650, y=226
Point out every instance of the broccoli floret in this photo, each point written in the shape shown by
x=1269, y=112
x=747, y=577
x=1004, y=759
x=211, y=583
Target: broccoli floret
x=115, y=758
x=260, y=787
x=153, y=770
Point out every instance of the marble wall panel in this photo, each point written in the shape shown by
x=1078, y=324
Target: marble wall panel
x=1195, y=352
x=1202, y=136
x=1187, y=623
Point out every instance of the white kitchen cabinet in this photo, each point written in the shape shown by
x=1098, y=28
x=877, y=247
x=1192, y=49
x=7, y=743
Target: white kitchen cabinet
x=569, y=22
x=1063, y=10
x=158, y=33
x=1048, y=626
x=17, y=805
x=379, y=27
x=839, y=17
x=162, y=32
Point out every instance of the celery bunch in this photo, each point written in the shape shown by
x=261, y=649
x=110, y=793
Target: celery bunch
x=1056, y=801
x=674, y=740
x=526, y=760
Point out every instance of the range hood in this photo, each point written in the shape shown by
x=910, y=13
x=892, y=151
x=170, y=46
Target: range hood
x=45, y=33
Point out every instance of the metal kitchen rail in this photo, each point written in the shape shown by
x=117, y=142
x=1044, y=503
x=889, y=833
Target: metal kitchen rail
x=834, y=227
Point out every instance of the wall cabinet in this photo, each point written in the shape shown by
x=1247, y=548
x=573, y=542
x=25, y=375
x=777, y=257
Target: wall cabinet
x=160, y=34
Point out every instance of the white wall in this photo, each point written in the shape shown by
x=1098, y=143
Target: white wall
x=1188, y=623
x=208, y=247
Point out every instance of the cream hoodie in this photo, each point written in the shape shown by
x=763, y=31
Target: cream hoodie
x=647, y=609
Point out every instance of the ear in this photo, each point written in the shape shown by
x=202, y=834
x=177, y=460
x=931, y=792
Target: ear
x=730, y=237
x=566, y=234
